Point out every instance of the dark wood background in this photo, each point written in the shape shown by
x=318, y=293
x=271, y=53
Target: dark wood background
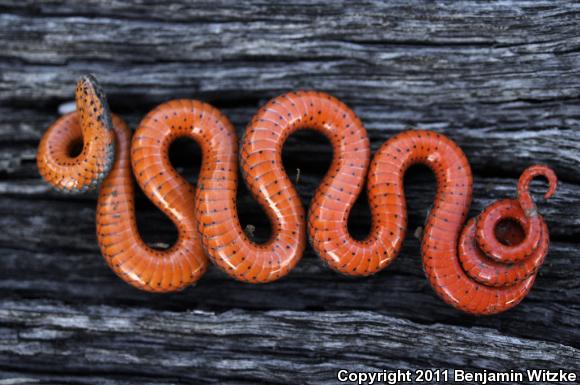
x=501, y=79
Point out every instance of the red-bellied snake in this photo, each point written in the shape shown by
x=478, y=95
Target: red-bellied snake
x=486, y=267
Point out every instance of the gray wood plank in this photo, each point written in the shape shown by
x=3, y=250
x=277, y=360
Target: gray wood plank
x=238, y=346
x=500, y=78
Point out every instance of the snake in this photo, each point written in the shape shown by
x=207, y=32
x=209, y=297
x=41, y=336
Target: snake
x=485, y=266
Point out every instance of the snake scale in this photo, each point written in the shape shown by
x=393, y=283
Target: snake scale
x=483, y=267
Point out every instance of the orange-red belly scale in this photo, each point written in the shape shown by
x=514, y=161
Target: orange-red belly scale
x=467, y=266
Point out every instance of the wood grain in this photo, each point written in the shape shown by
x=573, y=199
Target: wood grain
x=502, y=79
x=238, y=346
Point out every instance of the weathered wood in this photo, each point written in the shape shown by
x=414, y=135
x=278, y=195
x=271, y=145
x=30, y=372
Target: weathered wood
x=401, y=290
x=48, y=235
x=248, y=347
x=505, y=151
x=395, y=74
x=28, y=197
x=501, y=79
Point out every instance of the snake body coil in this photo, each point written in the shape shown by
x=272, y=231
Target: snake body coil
x=473, y=268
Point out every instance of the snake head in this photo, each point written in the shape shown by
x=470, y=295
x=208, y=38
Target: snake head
x=92, y=102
